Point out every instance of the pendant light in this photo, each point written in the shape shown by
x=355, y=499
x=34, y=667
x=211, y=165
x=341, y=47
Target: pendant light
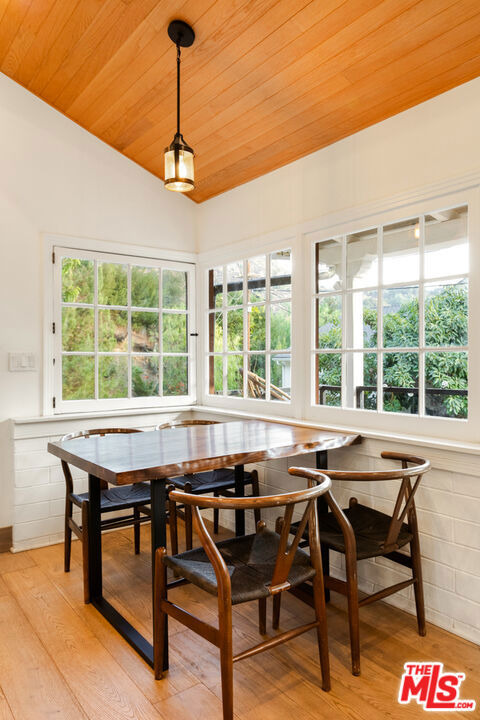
x=179, y=175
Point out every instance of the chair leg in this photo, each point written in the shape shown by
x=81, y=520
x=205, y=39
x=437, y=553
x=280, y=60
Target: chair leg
x=215, y=517
x=226, y=657
x=322, y=636
x=86, y=583
x=262, y=616
x=188, y=527
x=418, y=585
x=277, y=602
x=256, y=493
x=136, y=529
x=160, y=593
x=68, y=535
x=353, y=614
x=172, y=521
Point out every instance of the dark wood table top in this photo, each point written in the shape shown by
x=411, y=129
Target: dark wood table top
x=127, y=458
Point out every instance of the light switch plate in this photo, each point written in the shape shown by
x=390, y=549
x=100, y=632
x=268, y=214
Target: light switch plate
x=21, y=362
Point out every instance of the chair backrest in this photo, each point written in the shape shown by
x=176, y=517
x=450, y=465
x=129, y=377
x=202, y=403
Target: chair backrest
x=185, y=423
x=412, y=467
x=318, y=484
x=88, y=434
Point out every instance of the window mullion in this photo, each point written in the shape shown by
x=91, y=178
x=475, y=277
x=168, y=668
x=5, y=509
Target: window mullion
x=268, y=344
x=129, y=330
x=380, y=321
x=95, y=319
x=421, y=320
x=346, y=390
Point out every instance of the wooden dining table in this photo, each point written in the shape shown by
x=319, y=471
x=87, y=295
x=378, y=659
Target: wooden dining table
x=156, y=456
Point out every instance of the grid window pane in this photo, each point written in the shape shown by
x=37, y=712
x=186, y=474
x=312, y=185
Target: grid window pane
x=112, y=376
x=329, y=372
x=400, y=382
x=78, y=377
x=216, y=332
x=174, y=290
x=235, y=330
x=145, y=376
x=175, y=376
x=144, y=287
x=256, y=327
x=329, y=266
x=235, y=375
x=112, y=330
x=112, y=284
x=446, y=384
x=235, y=283
x=77, y=280
x=280, y=326
x=280, y=275
x=446, y=243
x=215, y=279
x=256, y=384
x=257, y=279
x=362, y=312
x=362, y=259
x=363, y=367
x=216, y=375
x=446, y=314
x=145, y=331
x=329, y=317
x=401, y=259
x=280, y=373
x=78, y=329
x=400, y=317
x=174, y=333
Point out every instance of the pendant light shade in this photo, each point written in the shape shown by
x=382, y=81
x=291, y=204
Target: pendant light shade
x=179, y=170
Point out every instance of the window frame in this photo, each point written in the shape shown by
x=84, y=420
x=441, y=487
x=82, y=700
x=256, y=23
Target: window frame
x=376, y=420
x=53, y=402
x=249, y=250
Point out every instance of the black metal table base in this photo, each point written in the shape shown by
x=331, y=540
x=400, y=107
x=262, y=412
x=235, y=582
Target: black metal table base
x=126, y=630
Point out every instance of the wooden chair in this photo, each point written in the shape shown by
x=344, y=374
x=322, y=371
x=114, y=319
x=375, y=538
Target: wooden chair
x=242, y=569
x=219, y=482
x=135, y=497
x=360, y=532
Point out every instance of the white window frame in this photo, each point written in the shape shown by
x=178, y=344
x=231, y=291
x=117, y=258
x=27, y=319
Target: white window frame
x=55, y=248
x=247, y=250
x=404, y=423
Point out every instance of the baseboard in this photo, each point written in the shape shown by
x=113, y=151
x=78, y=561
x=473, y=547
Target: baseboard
x=5, y=539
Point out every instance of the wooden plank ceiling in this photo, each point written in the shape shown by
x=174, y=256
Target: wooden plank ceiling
x=266, y=82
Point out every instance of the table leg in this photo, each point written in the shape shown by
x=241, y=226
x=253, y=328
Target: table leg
x=111, y=614
x=239, y=492
x=159, y=539
x=322, y=507
x=94, y=539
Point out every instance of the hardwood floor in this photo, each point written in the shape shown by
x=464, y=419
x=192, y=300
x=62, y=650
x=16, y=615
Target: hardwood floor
x=60, y=657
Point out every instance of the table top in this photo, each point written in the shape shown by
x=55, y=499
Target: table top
x=125, y=458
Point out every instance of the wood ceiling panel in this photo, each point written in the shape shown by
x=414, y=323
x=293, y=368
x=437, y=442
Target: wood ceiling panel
x=265, y=83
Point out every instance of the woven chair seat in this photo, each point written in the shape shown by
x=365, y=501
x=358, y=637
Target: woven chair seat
x=250, y=560
x=370, y=527
x=119, y=497
x=210, y=481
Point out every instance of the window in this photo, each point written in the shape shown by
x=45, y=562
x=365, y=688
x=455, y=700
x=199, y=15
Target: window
x=391, y=317
x=249, y=327
x=122, y=329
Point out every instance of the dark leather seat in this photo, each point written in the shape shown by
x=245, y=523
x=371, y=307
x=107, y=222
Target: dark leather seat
x=370, y=527
x=250, y=560
x=210, y=481
x=118, y=497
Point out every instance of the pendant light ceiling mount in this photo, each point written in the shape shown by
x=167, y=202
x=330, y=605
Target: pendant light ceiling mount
x=179, y=172
x=181, y=33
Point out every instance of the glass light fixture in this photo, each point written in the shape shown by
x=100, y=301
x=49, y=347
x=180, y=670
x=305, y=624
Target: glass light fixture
x=179, y=171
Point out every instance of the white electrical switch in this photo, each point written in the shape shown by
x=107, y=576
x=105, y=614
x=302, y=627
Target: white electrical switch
x=21, y=362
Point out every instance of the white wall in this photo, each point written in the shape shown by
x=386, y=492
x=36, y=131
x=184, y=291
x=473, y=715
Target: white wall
x=57, y=178
x=431, y=142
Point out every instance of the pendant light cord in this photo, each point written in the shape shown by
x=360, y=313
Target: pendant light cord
x=178, y=89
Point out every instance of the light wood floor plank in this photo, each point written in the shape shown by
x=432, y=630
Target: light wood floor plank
x=103, y=689
x=33, y=686
x=5, y=712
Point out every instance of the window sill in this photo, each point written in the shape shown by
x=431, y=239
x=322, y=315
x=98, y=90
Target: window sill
x=102, y=414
